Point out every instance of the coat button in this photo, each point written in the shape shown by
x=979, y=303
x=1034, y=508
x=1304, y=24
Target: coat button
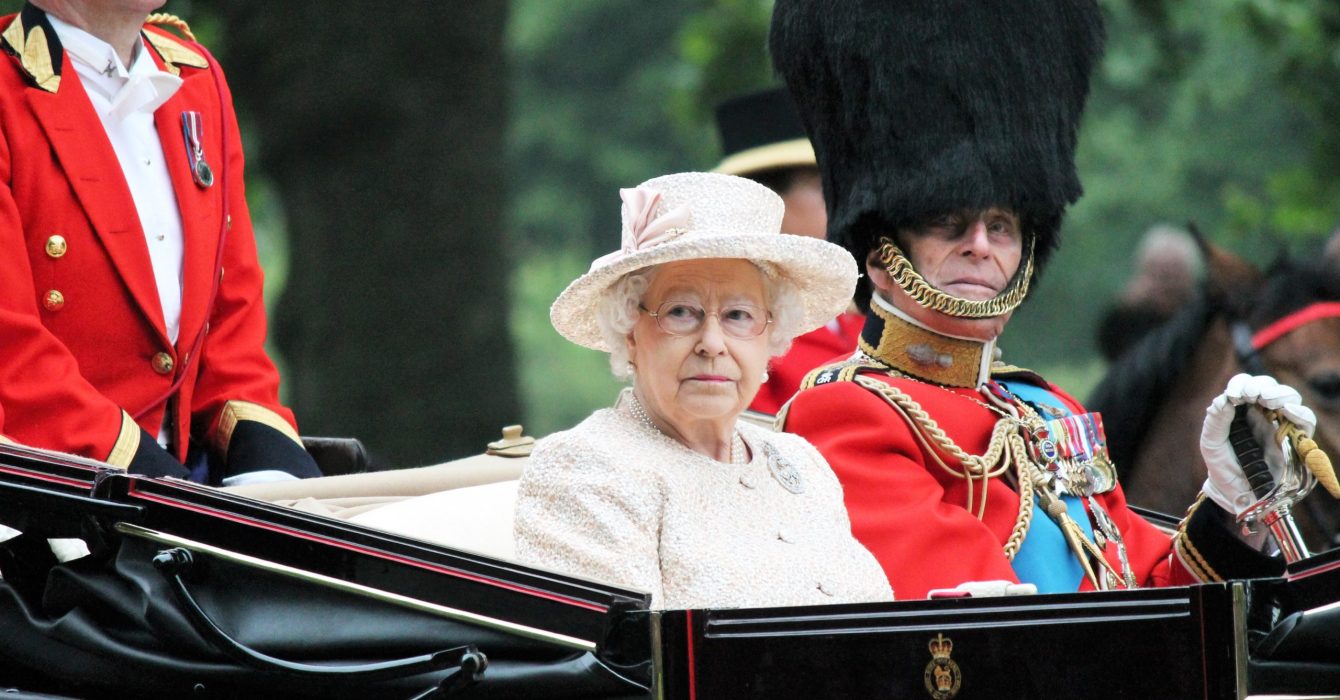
x=162, y=363
x=825, y=588
x=747, y=481
x=53, y=300
x=785, y=535
x=56, y=246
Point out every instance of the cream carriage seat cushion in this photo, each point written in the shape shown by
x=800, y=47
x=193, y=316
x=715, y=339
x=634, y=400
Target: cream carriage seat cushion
x=473, y=518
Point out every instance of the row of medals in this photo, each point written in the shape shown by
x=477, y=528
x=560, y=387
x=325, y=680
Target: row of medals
x=1081, y=478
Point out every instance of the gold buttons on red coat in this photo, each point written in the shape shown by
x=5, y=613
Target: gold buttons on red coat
x=162, y=363
x=53, y=300
x=56, y=246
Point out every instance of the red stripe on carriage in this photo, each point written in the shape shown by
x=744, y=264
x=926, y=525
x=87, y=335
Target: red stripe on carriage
x=134, y=490
x=1294, y=321
x=41, y=476
x=693, y=671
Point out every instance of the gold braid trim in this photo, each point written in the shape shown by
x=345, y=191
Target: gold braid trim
x=900, y=269
x=235, y=412
x=127, y=443
x=164, y=18
x=1006, y=449
x=34, y=52
x=1024, y=519
x=1187, y=552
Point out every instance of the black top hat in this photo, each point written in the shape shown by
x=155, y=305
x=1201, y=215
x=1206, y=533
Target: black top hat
x=761, y=131
x=919, y=108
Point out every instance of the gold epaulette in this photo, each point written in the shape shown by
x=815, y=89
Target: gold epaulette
x=844, y=371
x=26, y=38
x=1000, y=370
x=174, y=53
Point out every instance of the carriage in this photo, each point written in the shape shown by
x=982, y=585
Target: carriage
x=287, y=591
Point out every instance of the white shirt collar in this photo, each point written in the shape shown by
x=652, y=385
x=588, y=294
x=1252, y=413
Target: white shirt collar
x=141, y=87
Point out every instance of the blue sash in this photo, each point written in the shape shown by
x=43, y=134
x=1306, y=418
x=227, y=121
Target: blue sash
x=1045, y=559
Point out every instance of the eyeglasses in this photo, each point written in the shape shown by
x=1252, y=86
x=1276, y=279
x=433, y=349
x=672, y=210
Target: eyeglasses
x=685, y=318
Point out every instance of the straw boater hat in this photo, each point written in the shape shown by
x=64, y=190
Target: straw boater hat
x=698, y=216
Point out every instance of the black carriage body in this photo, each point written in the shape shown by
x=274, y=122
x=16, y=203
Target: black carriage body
x=1167, y=643
x=325, y=594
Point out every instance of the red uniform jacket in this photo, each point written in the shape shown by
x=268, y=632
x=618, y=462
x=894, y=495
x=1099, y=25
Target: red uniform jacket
x=83, y=345
x=911, y=513
x=819, y=346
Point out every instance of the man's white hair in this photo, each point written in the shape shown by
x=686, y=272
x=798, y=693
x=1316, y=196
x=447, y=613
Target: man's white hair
x=618, y=311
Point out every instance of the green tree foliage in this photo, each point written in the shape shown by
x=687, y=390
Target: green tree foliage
x=1195, y=115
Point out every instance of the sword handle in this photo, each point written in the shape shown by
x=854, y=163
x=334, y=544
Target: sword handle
x=1250, y=454
x=1276, y=516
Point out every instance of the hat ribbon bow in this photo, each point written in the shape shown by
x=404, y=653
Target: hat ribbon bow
x=641, y=230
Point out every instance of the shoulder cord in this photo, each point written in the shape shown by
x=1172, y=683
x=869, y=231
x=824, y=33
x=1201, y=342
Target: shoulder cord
x=1006, y=449
x=172, y=21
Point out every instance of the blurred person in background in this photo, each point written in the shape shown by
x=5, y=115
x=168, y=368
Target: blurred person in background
x=1332, y=250
x=130, y=292
x=668, y=491
x=762, y=139
x=1167, y=267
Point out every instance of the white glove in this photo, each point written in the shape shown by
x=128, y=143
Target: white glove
x=1226, y=483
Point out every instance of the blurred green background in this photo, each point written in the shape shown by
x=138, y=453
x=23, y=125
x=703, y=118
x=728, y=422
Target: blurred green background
x=427, y=177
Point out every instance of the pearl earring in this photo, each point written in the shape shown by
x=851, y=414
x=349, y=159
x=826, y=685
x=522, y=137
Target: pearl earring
x=765, y=376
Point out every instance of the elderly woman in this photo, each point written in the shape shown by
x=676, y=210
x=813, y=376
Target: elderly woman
x=668, y=491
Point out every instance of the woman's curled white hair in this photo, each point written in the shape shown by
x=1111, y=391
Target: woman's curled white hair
x=618, y=312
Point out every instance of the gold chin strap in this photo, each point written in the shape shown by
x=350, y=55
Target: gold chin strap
x=900, y=268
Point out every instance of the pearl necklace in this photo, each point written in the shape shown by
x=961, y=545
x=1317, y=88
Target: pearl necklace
x=737, y=452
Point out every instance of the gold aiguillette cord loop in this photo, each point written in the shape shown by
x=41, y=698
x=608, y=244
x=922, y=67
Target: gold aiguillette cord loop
x=1005, y=450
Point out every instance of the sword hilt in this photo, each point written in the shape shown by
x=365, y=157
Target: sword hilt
x=1271, y=509
x=1250, y=454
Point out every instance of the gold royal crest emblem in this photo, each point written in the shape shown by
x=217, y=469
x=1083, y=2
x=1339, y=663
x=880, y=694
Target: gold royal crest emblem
x=942, y=674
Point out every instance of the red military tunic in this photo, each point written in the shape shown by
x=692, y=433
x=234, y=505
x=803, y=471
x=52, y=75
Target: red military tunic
x=84, y=342
x=914, y=516
x=818, y=347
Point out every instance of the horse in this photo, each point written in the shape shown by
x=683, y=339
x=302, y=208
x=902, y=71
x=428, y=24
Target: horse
x=1284, y=322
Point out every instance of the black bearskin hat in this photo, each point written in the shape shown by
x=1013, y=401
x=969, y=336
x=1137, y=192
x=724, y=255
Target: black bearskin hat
x=918, y=108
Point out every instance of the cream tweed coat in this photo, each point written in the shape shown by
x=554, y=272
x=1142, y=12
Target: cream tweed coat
x=617, y=501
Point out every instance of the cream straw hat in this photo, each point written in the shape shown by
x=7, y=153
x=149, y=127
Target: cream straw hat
x=697, y=216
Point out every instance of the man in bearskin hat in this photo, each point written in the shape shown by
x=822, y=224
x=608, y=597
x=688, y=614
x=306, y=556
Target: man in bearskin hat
x=945, y=132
